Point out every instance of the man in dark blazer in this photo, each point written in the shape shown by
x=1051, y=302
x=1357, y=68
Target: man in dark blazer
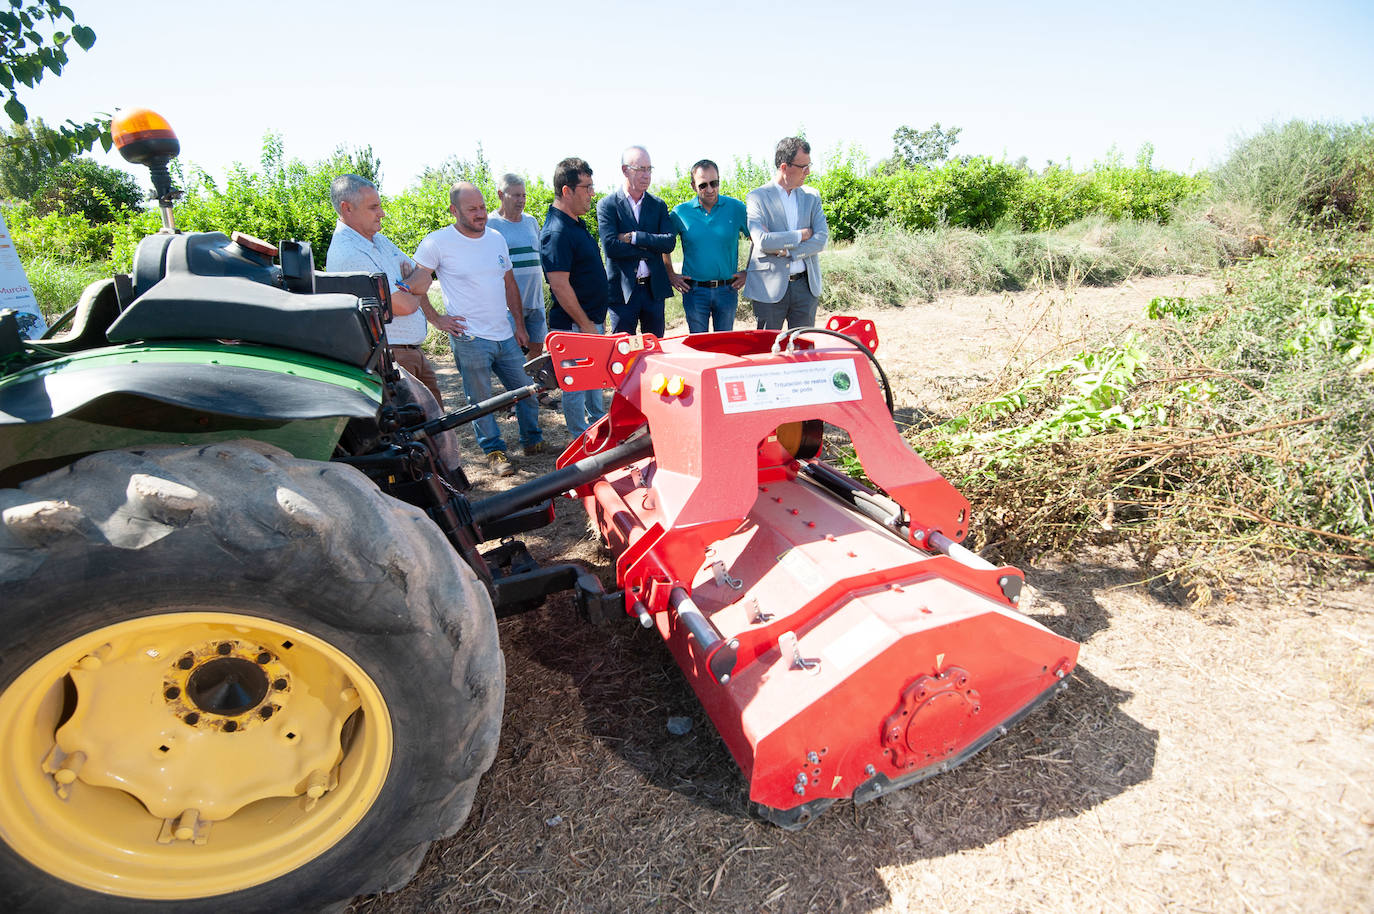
x=635, y=232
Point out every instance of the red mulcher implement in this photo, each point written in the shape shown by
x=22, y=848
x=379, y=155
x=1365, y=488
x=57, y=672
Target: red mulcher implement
x=842, y=641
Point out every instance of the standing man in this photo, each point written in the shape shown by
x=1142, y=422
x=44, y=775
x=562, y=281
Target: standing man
x=521, y=231
x=577, y=280
x=710, y=226
x=474, y=267
x=636, y=231
x=358, y=244
x=787, y=226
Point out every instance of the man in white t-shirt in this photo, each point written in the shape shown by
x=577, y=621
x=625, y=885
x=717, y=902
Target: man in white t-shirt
x=474, y=268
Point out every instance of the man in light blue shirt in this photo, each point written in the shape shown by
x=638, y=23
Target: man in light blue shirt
x=710, y=228
x=358, y=244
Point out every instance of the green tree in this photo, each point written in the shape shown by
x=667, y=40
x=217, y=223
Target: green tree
x=449, y=172
x=27, y=153
x=912, y=148
x=33, y=43
x=87, y=188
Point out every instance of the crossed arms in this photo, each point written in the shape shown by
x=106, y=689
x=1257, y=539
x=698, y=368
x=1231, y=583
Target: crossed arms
x=802, y=242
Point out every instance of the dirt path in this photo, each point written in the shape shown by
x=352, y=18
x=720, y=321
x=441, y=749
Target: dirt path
x=1220, y=761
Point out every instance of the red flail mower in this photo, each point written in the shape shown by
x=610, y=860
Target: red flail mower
x=841, y=639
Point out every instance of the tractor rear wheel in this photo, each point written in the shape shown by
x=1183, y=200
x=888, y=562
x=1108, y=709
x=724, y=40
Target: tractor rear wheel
x=231, y=680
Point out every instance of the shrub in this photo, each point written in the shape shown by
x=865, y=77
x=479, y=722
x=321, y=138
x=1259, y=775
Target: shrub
x=1303, y=172
x=86, y=188
x=888, y=265
x=57, y=284
x=58, y=236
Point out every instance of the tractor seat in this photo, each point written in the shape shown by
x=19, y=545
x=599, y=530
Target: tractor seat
x=185, y=306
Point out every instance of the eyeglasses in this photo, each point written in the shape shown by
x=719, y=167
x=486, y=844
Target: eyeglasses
x=588, y=186
x=806, y=167
x=705, y=184
x=641, y=169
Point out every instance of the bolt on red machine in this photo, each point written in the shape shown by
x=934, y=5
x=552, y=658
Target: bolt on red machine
x=842, y=641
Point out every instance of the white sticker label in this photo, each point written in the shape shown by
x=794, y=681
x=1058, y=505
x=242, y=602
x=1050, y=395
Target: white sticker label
x=751, y=388
x=15, y=291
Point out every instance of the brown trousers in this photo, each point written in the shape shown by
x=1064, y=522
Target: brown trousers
x=414, y=361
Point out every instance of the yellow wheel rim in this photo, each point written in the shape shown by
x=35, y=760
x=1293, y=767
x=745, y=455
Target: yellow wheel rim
x=188, y=754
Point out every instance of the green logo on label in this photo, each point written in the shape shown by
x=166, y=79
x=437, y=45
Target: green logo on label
x=761, y=388
x=841, y=380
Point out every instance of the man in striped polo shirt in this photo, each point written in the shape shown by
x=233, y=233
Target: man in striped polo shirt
x=521, y=231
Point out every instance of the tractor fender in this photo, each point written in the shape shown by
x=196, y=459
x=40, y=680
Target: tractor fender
x=111, y=393
x=52, y=414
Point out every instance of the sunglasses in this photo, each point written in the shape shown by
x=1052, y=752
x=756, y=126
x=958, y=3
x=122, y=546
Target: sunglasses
x=705, y=184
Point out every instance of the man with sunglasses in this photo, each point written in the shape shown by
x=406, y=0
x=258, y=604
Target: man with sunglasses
x=710, y=227
x=572, y=266
x=788, y=229
x=636, y=232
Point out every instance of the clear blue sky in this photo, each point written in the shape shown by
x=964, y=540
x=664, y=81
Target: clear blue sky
x=534, y=82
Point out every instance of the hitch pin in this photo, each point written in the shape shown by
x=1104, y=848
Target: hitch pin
x=960, y=554
x=787, y=644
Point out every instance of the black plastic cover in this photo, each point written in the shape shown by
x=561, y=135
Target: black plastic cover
x=185, y=306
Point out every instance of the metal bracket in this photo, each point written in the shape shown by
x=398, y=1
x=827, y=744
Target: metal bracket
x=723, y=577
x=787, y=644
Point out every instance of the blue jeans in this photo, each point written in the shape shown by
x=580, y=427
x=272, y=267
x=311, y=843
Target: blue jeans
x=706, y=306
x=477, y=359
x=582, y=407
x=536, y=324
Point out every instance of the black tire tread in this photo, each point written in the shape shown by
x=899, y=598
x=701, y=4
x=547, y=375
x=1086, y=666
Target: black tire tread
x=363, y=569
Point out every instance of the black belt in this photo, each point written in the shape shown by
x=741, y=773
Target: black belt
x=405, y=345
x=642, y=280
x=796, y=276
x=709, y=283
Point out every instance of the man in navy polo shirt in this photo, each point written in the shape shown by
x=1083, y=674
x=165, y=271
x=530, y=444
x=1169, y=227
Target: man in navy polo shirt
x=577, y=279
x=710, y=227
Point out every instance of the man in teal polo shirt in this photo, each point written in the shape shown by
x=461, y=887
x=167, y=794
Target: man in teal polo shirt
x=710, y=228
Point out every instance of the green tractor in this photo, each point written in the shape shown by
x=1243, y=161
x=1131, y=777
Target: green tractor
x=250, y=658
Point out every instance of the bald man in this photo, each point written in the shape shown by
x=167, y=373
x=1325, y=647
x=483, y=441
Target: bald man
x=636, y=232
x=477, y=284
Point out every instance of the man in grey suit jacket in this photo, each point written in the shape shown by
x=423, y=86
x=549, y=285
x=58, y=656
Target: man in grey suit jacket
x=636, y=232
x=788, y=229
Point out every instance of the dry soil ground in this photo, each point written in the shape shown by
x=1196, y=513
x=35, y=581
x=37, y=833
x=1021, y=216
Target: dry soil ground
x=1217, y=761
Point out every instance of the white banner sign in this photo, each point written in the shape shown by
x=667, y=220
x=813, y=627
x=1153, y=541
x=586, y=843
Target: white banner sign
x=15, y=291
x=751, y=388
